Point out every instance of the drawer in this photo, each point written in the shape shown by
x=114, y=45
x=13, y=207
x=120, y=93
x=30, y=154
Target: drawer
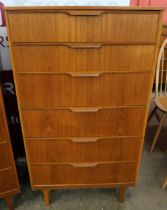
x=3, y=129
x=88, y=173
x=8, y=180
x=98, y=89
x=74, y=122
x=5, y=158
x=84, y=26
x=82, y=57
x=83, y=149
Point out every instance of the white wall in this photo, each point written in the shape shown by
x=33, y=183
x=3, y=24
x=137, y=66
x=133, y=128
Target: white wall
x=66, y=2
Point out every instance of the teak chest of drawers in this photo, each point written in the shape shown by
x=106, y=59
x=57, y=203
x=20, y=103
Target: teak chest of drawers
x=9, y=185
x=83, y=77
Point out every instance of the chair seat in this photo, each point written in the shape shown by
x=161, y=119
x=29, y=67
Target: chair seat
x=161, y=103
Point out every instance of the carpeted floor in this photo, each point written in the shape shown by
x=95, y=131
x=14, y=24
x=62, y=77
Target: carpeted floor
x=147, y=195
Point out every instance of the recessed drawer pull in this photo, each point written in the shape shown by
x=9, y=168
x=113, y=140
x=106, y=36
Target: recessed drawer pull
x=78, y=109
x=73, y=74
x=84, y=13
x=84, y=139
x=84, y=46
x=83, y=165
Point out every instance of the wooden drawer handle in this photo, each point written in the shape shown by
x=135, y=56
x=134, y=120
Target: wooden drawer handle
x=84, y=139
x=83, y=165
x=73, y=74
x=87, y=109
x=84, y=46
x=85, y=13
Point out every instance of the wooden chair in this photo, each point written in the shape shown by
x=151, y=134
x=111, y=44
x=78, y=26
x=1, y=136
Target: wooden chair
x=164, y=184
x=160, y=93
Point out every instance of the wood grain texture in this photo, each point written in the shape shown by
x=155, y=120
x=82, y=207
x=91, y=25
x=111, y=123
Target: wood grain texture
x=7, y=181
x=110, y=27
x=46, y=196
x=5, y=158
x=67, y=174
x=3, y=133
x=121, y=194
x=163, y=37
x=41, y=91
x=84, y=61
x=104, y=122
x=151, y=86
x=32, y=58
x=83, y=149
x=9, y=185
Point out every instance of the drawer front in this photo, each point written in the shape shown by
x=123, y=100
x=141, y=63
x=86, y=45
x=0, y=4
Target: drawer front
x=74, y=122
x=66, y=26
x=83, y=150
x=83, y=58
x=3, y=131
x=105, y=89
x=8, y=180
x=75, y=174
x=5, y=159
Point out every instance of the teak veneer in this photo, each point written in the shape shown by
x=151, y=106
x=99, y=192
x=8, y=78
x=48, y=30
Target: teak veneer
x=9, y=185
x=83, y=79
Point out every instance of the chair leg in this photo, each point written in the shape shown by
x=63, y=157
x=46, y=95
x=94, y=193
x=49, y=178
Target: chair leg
x=158, y=132
x=152, y=114
x=157, y=116
x=164, y=184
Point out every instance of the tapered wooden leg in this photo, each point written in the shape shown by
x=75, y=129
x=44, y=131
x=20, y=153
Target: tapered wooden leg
x=9, y=202
x=46, y=193
x=164, y=184
x=157, y=132
x=121, y=194
x=152, y=114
